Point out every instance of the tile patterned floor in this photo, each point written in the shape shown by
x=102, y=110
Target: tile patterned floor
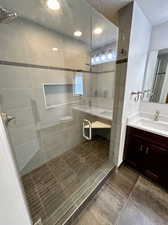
x=47, y=187
x=126, y=199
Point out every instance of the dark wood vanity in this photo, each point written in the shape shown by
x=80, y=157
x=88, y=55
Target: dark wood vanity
x=148, y=153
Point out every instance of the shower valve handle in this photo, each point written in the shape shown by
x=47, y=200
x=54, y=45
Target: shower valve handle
x=7, y=118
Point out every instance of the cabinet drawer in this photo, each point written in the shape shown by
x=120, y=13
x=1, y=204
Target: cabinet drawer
x=149, y=137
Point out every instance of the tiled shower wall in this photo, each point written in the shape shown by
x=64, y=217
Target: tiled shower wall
x=100, y=86
x=38, y=134
x=28, y=42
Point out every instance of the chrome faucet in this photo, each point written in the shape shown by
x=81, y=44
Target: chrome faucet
x=156, y=116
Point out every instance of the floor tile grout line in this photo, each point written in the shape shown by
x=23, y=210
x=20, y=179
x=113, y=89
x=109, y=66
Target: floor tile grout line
x=56, y=178
x=74, y=202
x=71, y=197
x=41, y=203
x=36, y=188
x=127, y=201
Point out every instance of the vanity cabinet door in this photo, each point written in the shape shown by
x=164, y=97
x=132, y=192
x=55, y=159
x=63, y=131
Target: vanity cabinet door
x=156, y=163
x=134, y=152
x=148, y=153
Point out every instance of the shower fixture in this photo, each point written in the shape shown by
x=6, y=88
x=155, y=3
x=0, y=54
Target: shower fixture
x=7, y=15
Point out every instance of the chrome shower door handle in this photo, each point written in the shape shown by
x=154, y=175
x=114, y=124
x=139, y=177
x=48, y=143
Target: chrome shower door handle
x=7, y=118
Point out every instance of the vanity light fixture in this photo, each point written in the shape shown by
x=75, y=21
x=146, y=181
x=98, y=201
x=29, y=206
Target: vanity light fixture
x=98, y=30
x=53, y=4
x=78, y=33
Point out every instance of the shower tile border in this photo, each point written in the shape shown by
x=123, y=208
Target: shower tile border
x=120, y=61
x=36, y=66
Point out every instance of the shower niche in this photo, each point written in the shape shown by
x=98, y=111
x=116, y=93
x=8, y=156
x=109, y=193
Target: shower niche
x=56, y=95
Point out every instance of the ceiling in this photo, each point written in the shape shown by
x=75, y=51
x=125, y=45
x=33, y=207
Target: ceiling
x=77, y=15
x=155, y=10
x=108, y=7
x=74, y=15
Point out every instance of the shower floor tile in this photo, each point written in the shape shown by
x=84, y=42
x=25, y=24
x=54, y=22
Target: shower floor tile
x=48, y=186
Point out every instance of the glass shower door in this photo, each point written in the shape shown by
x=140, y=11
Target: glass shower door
x=48, y=88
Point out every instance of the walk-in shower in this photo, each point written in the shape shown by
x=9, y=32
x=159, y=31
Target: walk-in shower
x=51, y=82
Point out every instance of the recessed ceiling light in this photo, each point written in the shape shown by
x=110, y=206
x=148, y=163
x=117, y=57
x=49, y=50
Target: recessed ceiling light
x=98, y=30
x=53, y=4
x=78, y=33
x=55, y=49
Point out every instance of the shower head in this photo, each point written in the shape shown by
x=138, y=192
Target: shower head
x=6, y=15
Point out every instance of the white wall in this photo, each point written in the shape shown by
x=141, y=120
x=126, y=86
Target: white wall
x=13, y=209
x=138, y=51
x=158, y=41
x=159, y=37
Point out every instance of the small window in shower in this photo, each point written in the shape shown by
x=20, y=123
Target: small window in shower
x=78, y=85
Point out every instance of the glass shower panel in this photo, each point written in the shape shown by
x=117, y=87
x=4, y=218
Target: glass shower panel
x=103, y=61
x=45, y=37
x=47, y=83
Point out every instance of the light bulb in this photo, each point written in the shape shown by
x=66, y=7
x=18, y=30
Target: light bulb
x=55, y=49
x=98, y=30
x=53, y=4
x=78, y=33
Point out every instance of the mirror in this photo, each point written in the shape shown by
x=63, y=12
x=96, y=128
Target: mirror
x=156, y=80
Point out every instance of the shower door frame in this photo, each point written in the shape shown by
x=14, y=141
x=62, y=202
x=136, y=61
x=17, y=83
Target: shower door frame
x=14, y=208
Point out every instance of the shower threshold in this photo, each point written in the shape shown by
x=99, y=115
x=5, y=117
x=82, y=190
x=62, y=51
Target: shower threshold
x=58, y=189
x=66, y=213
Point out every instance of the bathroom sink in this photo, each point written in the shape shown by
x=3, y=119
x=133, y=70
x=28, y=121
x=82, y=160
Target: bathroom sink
x=158, y=127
